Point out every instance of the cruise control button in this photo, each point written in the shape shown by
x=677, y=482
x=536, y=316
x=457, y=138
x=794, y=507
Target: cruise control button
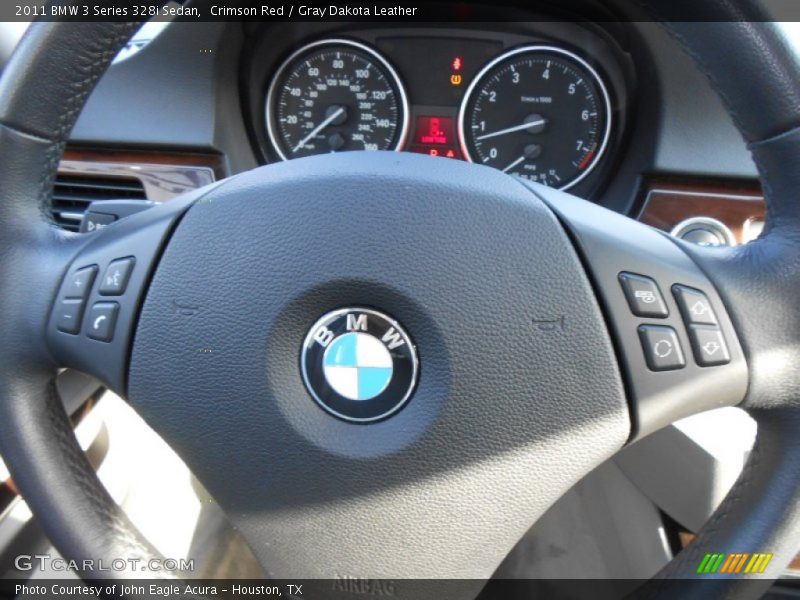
x=694, y=305
x=643, y=296
x=101, y=321
x=115, y=279
x=708, y=345
x=79, y=284
x=662, y=349
x=69, y=315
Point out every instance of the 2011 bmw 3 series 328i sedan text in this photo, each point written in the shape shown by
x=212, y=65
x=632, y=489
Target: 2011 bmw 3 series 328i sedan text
x=423, y=301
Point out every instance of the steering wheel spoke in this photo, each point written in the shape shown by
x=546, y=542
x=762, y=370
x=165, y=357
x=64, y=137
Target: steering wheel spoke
x=677, y=347
x=93, y=316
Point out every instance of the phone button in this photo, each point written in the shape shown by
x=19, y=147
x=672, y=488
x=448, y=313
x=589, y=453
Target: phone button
x=101, y=320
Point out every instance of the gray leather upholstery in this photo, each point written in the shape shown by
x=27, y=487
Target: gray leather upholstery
x=62, y=62
x=756, y=75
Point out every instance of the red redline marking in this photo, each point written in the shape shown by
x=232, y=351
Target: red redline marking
x=586, y=160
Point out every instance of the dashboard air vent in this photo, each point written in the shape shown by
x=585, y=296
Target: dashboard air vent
x=72, y=194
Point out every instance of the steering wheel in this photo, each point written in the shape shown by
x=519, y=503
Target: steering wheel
x=534, y=366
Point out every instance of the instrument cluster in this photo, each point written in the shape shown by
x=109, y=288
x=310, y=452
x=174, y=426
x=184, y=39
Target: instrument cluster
x=546, y=105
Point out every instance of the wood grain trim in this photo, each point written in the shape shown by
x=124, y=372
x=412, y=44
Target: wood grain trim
x=162, y=175
x=213, y=161
x=667, y=203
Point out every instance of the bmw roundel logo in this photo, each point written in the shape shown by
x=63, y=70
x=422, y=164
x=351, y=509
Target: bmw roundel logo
x=359, y=364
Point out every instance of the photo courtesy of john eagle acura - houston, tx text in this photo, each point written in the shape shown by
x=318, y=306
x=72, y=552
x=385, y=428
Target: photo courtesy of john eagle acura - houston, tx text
x=454, y=300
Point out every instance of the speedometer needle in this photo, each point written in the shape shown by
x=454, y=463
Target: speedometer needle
x=486, y=136
x=331, y=118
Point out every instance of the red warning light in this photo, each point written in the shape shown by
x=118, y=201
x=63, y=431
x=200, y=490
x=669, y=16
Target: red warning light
x=457, y=63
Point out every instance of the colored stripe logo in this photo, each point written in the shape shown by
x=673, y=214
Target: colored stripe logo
x=734, y=563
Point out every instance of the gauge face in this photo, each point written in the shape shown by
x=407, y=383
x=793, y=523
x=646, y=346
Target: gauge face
x=334, y=96
x=538, y=112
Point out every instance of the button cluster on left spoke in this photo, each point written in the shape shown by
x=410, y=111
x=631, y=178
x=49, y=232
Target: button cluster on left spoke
x=94, y=315
x=75, y=291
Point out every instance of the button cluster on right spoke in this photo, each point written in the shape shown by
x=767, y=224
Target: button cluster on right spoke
x=708, y=343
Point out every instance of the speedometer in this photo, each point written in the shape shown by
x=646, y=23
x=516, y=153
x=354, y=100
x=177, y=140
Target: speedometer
x=333, y=96
x=539, y=112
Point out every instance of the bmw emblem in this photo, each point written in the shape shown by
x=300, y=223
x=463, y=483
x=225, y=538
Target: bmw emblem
x=359, y=364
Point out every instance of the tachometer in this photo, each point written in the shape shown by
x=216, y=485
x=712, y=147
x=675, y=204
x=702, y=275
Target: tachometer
x=539, y=112
x=333, y=96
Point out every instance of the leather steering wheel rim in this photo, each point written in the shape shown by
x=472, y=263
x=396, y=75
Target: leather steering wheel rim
x=49, y=79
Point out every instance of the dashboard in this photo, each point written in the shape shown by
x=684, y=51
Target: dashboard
x=546, y=103
x=655, y=143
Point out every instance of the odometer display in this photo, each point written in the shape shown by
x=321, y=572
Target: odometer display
x=539, y=112
x=334, y=96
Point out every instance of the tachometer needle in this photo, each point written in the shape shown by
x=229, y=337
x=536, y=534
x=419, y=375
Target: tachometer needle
x=331, y=118
x=486, y=136
x=514, y=164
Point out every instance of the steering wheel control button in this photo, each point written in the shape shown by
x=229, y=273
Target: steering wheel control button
x=115, y=279
x=708, y=345
x=94, y=221
x=662, y=349
x=69, y=315
x=359, y=364
x=694, y=305
x=101, y=321
x=643, y=296
x=79, y=284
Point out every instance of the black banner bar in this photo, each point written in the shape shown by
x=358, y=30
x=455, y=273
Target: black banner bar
x=375, y=11
x=349, y=588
